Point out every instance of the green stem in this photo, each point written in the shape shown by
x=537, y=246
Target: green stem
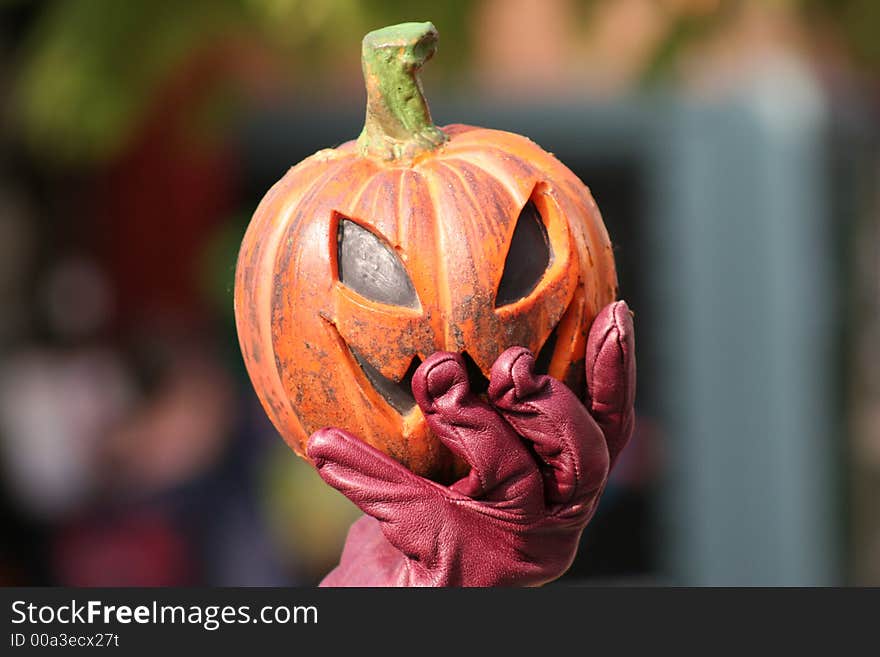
x=398, y=124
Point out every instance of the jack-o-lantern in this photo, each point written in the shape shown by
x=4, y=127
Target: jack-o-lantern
x=364, y=259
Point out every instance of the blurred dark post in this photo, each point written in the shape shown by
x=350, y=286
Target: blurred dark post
x=746, y=274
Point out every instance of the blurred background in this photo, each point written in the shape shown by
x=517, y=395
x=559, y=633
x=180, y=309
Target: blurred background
x=732, y=146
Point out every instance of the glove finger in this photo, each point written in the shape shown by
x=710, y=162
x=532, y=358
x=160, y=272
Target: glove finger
x=546, y=413
x=473, y=430
x=611, y=375
x=403, y=502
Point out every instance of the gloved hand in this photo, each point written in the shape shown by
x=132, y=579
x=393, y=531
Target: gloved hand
x=539, y=462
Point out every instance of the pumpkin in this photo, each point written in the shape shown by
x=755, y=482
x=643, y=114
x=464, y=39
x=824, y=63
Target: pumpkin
x=364, y=259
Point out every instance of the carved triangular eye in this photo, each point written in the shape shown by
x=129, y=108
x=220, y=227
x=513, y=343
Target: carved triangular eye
x=368, y=266
x=527, y=259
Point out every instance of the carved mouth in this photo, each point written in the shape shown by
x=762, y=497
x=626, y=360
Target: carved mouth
x=397, y=393
x=545, y=355
x=479, y=382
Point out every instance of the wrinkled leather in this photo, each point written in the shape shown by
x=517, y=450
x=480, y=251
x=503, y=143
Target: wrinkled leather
x=539, y=463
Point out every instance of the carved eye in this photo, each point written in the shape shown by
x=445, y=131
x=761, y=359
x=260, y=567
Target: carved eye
x=369, y=267
x=527, y=259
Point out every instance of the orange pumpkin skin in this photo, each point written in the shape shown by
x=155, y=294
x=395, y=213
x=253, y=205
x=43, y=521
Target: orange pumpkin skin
x=449, y=215
x=441, y=207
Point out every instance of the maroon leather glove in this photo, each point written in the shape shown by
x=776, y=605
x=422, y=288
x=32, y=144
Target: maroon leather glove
x=539, y=462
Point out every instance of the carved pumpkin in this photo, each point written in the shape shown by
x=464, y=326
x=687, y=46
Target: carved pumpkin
x=364, y=259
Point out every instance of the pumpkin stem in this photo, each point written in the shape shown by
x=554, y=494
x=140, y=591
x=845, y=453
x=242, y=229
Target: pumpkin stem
x=398, y=123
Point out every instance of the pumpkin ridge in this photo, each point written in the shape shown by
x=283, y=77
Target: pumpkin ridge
x=594, y=233
x=480, y=217
x=369, y=179
x=444, y=294
x=398, y=204
x=279, y=193
x=471, y=221
x=565, y=178
x=284, y=313
x=455, y=129
x=504, y=179
x=257, y=250
x=297, y=207
x=474, y=218
x=365, y=204
x=405, y=224
x=509, y=142
x=510, y=145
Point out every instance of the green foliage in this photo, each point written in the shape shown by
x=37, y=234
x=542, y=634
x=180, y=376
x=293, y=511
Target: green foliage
x=90, y=67
x=686, y=30
x=857, y=21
